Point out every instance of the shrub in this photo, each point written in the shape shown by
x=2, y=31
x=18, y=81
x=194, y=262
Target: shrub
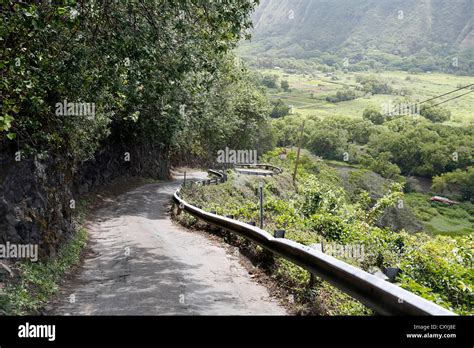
x=342, y=95
x=435, y=114
x=462, y=180
x=371, y=84
x=329, y=226
x=373, y=115
x=440, y=269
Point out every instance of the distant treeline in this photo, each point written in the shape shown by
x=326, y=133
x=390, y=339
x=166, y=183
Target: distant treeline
x=461, y=64
x=407, y=145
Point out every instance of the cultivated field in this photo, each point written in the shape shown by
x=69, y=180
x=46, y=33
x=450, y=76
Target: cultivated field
x=308, y=92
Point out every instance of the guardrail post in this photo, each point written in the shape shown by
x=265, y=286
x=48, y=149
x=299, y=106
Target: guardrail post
x=279, y=234
x=184, y=181
x=178, y=209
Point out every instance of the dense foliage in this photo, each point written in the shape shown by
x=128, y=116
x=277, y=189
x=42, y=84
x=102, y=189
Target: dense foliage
x=408, y=145
x=143, y=65
x=280, y=109
x=459, y=180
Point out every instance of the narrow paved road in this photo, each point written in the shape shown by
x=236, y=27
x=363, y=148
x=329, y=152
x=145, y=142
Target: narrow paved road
x=143, y=264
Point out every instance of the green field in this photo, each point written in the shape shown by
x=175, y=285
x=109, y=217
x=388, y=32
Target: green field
x=308, y=92
x=438, y=218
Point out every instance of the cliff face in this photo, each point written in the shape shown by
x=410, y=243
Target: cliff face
x=401, y=27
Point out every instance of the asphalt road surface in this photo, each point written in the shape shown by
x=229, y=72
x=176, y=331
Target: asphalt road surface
x=144, y=264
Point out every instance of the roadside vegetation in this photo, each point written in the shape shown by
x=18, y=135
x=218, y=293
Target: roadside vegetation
x=320, y=211
x=153, y=83
x=35, y=283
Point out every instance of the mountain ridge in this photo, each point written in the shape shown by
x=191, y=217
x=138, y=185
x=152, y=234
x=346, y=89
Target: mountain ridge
x=365, y=29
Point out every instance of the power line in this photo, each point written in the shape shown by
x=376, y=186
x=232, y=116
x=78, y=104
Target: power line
x=459, y=96
x=442, y=95
x=439, y=96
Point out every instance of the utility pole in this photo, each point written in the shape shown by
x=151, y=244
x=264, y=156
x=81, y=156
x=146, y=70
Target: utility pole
x=298, y=153
x=260, y=189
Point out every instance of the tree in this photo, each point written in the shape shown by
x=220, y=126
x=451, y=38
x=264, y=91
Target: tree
x=233, y=112
x=372, y=84
x=372, y=114
x=328, y=142
x=382, y=165
x=280, y=109
x=435, y=114
x=342, y=95
x=288, y=129
x=285, y=85
x=462, y=180
x=270, y=81
x=138, y=71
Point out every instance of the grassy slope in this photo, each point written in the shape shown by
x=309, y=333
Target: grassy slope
x=426, y=270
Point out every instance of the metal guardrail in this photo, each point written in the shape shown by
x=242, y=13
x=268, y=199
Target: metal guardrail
x=270, y=167
x=383, y=297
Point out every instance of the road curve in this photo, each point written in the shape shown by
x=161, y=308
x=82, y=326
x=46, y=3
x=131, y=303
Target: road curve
x=143, y=264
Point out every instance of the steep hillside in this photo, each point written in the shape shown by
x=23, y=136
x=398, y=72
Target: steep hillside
x=439, y=34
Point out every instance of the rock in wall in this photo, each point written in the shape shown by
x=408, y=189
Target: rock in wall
x=34, y=203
